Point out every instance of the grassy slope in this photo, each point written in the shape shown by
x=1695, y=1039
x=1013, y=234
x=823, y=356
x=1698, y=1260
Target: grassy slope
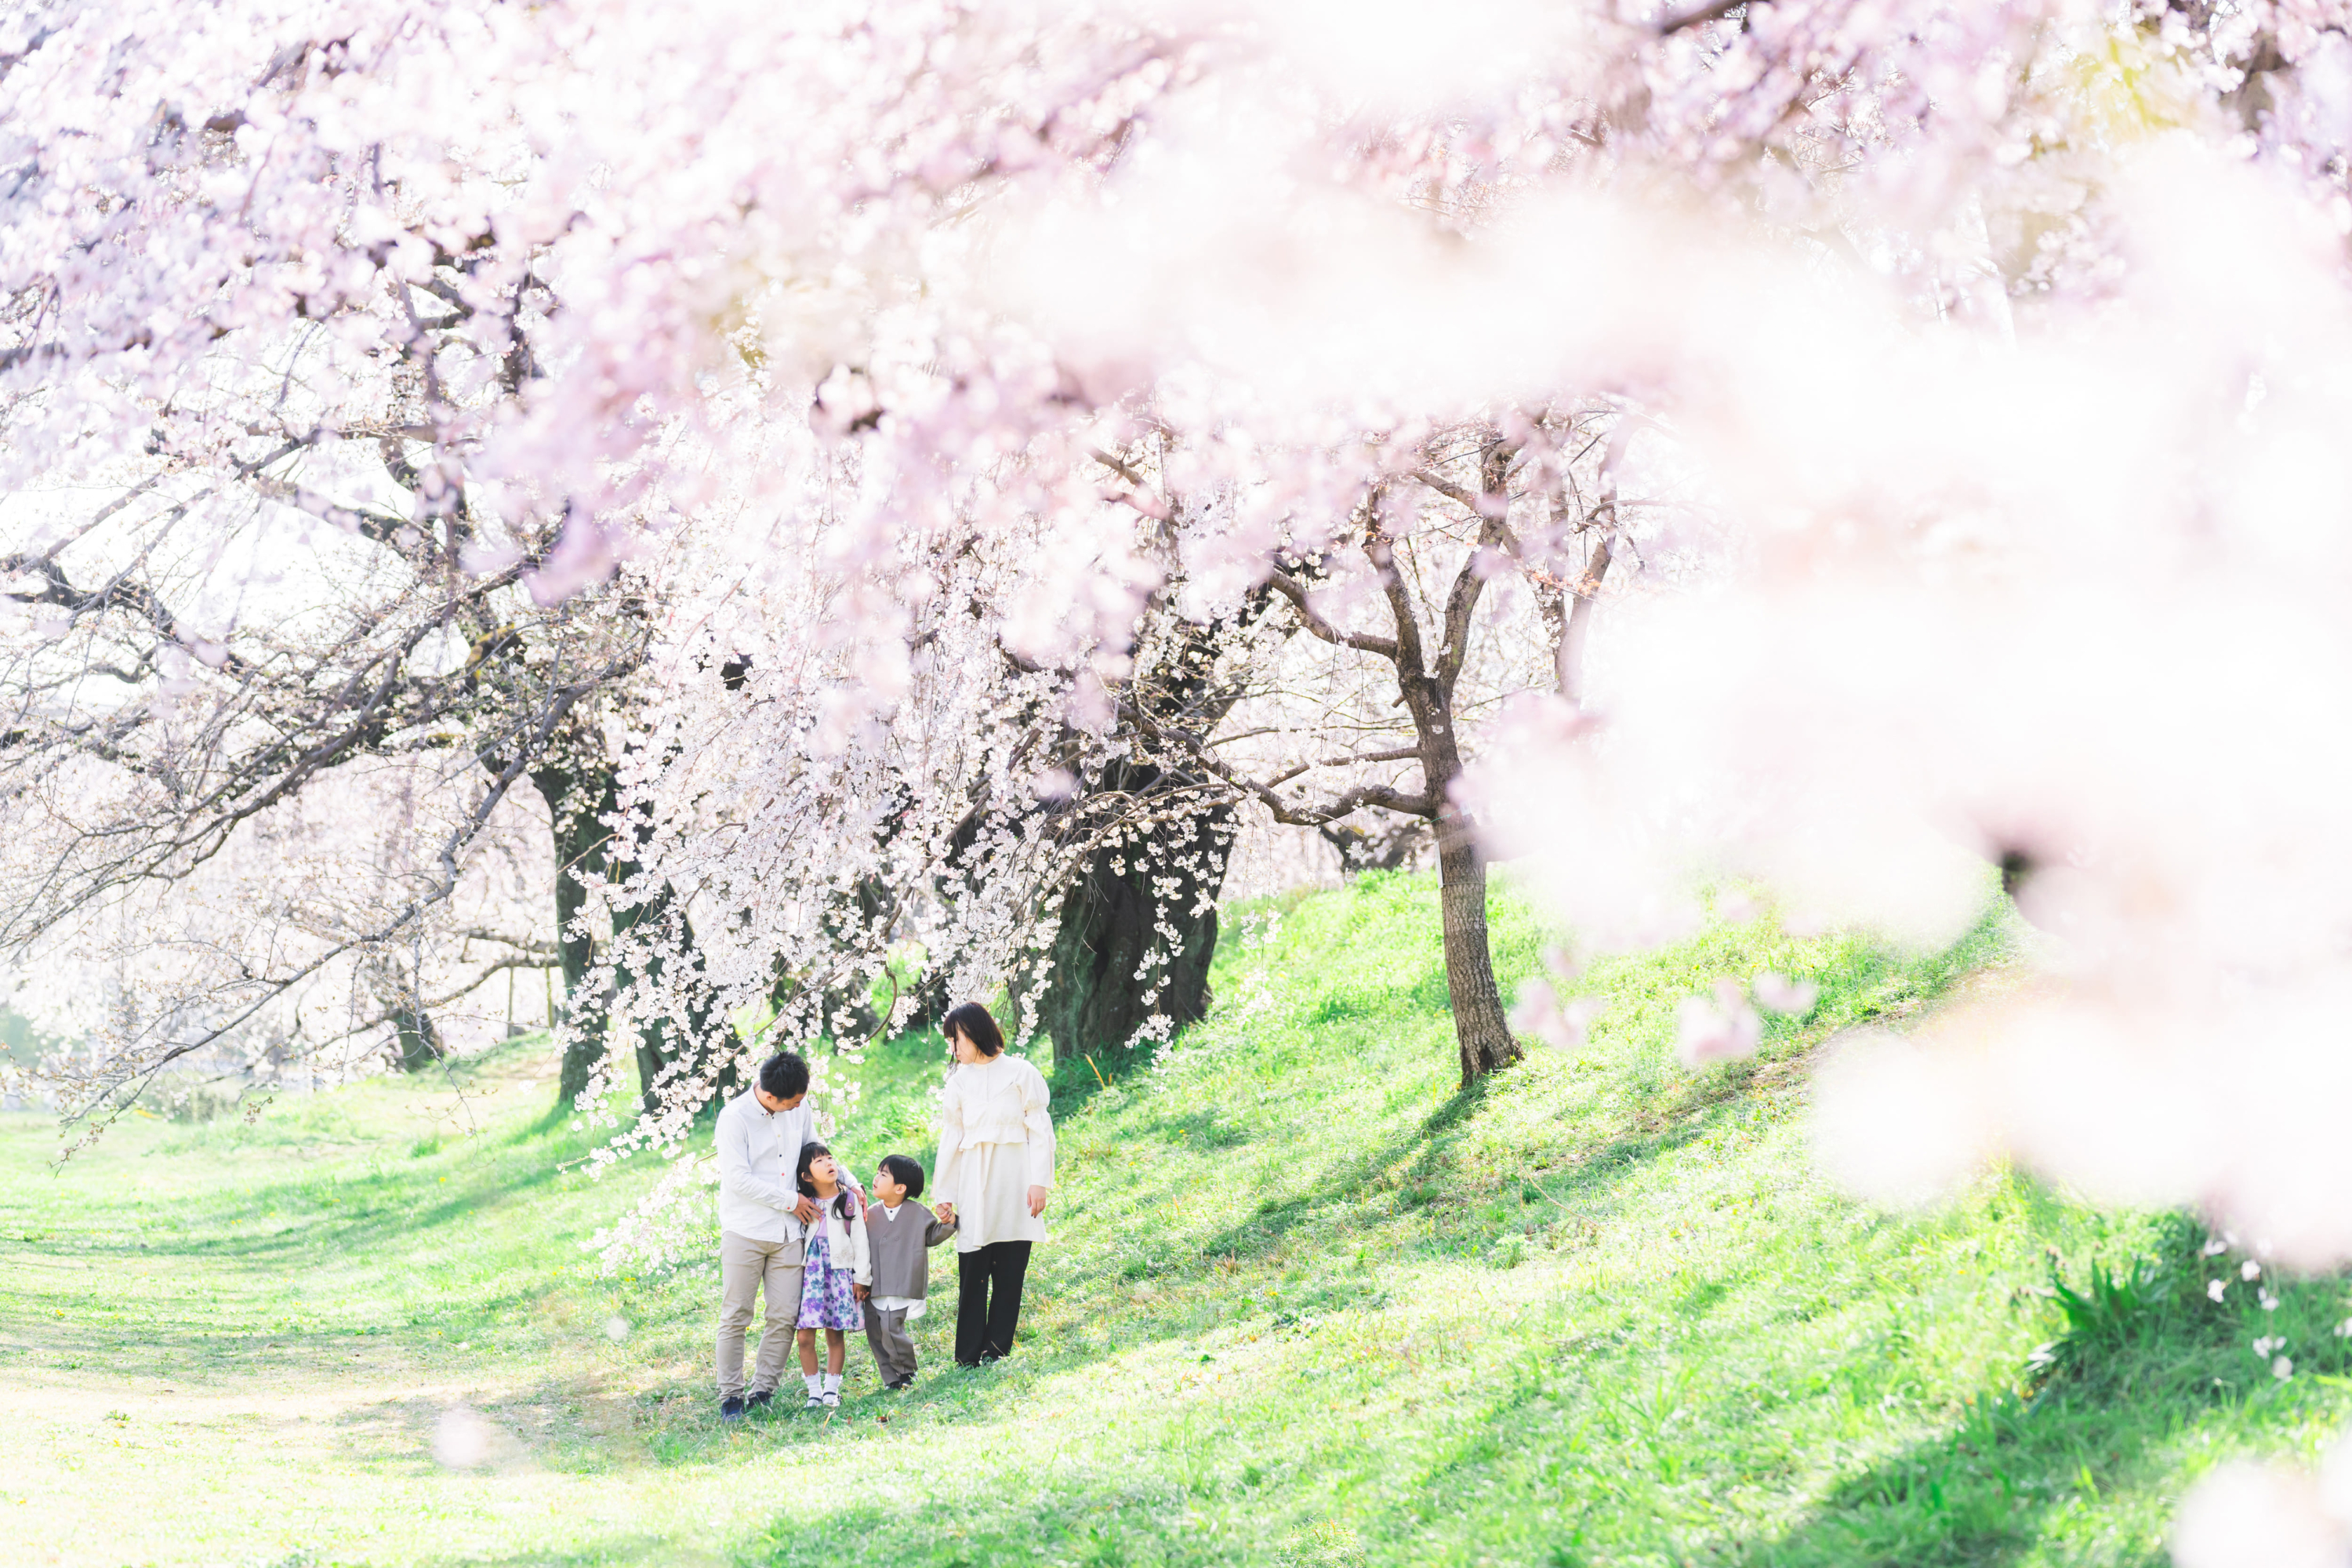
x=1305, y=1305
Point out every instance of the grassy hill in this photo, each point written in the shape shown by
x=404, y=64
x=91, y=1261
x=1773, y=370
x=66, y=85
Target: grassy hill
x=1305, y=1305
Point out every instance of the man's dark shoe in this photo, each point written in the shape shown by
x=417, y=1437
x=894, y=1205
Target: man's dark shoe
x=730, y=1409
x=757, y=1400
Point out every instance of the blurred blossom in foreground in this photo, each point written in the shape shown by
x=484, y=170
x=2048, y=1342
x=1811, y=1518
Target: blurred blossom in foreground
x=2069, y=605
x=461, y=1438
x=1723, y=1028
x=1541, y=1016
x=1777, y=993
x=2247, y=1515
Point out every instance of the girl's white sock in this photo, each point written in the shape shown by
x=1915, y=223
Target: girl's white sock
x=832, y=1382
x=812, y=1380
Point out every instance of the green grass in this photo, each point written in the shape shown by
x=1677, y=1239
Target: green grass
x=1305, y=1304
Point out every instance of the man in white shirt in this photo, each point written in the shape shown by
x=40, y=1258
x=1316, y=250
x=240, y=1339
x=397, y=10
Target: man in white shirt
x=763, y=1219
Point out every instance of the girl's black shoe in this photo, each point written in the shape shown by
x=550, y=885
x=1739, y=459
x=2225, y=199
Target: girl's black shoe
x=730, y=1409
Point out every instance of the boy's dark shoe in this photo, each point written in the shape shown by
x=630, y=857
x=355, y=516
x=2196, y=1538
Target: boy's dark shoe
x=730, y=1409
x=758, y=1399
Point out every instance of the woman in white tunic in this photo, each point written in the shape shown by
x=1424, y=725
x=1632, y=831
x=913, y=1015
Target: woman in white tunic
x=995, y=1167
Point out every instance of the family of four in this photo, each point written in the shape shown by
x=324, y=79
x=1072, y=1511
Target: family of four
x=795, y=1229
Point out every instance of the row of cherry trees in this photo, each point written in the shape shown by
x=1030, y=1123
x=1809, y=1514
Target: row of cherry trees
x=908, y=473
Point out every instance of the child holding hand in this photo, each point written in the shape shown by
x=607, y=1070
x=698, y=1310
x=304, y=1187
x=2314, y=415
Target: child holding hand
x=835, y=1271
x=899, y=1234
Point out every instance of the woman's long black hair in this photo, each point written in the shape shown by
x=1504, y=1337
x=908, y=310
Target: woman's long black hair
x=845, y=1200
x=972, y=1022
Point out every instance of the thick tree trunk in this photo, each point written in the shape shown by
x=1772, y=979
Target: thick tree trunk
x=665, y=1048
x=419, y=1043
x=415, y=1043
x=580, y=795
x=1139, y=922
x=1479, y=1026
x=582, y=792
x=1114, y=967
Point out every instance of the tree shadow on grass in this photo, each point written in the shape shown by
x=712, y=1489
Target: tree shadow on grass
x=1986, y=1489
x=1090, y=1520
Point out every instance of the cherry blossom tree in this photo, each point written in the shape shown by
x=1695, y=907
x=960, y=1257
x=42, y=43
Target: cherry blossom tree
x=1986, y=350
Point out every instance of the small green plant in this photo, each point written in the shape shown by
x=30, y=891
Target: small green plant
x=425, y=1147
x=2114, y=1311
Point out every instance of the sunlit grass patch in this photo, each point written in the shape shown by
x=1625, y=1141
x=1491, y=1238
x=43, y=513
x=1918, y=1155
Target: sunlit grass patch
x=1305, y=1304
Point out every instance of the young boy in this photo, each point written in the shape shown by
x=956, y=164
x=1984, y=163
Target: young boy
x=899, y=1234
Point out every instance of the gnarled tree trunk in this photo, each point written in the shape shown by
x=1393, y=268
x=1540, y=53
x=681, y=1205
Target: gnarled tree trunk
x=418, y=1043
x=580, y=791
x=666, y=1050
x=1129, y=948
x=1139, y=920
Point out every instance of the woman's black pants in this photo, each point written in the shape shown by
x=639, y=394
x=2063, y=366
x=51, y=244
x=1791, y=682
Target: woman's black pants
x=988, y=1299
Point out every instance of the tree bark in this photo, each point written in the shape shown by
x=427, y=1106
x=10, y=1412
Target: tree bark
x=1134, y=940
x=662, y=1047
x=419, y=1043
x=1115, y=964
x=581, y=794
x=1480, y=1028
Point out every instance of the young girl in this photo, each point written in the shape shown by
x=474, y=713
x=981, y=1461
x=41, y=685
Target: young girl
x=835, y=1274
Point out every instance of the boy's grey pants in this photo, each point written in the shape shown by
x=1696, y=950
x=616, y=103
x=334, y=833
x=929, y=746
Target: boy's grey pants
x=894, y=1353
x=748, y=1268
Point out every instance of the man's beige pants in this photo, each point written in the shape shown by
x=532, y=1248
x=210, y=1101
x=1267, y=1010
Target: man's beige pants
x=746, y=1268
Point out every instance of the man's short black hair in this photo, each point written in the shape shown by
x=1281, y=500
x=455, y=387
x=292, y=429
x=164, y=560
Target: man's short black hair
x=905, y=1173
x=785, y=1076
x=972, y=1022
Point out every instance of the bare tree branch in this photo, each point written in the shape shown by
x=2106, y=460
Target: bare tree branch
x=1290, y=588
x=1698, y=15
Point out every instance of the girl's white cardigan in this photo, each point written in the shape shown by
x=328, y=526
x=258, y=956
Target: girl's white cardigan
x=844, y=1239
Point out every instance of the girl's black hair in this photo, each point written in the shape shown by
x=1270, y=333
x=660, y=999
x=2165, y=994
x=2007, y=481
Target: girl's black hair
x=972, y=1022
x=905, y=1173
x=844, y=1202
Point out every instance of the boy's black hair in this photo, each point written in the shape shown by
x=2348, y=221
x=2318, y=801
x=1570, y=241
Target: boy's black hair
x=905, y=1173
x=785, y=1076
x=972, y=1022
x=842, y=1204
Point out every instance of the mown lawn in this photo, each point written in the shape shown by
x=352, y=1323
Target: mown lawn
x=1306, y=1304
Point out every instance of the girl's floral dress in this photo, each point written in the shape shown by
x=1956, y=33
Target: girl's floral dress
x=828, y=1294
